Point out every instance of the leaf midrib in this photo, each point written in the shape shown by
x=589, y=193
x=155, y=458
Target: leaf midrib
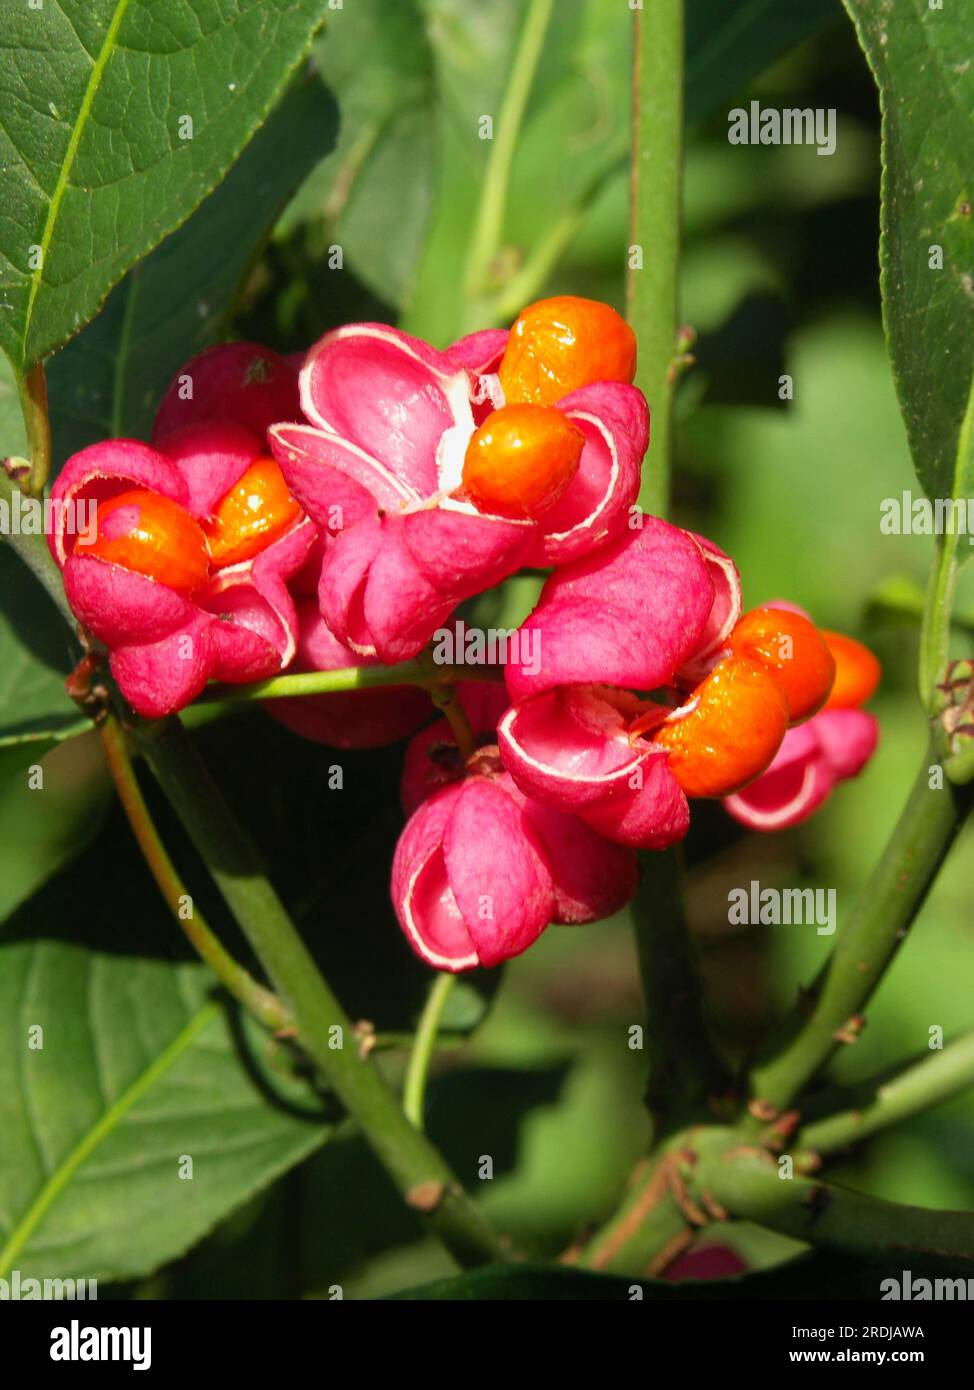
x=61, y=1176
x=60, y=188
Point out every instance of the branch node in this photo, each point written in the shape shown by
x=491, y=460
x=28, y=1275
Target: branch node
x=426, y=1196
x=89, y=694
x=18, y=471
x=782, y=1130
x=850, y=1030
x=364, y=1031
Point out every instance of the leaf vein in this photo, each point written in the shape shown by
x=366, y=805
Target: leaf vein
x=60, y=188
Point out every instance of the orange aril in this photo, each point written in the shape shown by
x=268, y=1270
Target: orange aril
x=151, y=535
x=558, y=345
x=795, y=653
x=256, y=511
x=857, y=671
x=521, y=460
x=731, y=736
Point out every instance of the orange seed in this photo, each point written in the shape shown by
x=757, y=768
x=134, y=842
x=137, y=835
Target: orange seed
x=558, y=345
x=732, y=734
x=857, y=671
x=149, y=534
x=521, y=460
x=795, y=653
x=256, y=511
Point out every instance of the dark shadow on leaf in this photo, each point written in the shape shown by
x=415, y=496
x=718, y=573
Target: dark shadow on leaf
x=269, y=1061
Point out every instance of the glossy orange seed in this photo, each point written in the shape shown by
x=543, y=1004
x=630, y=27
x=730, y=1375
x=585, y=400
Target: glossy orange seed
x=857, y=672
x=558, y=345
x=151, y=535
x=256, y=511
x=795, y=653
x=521, y=460
x=733, y=733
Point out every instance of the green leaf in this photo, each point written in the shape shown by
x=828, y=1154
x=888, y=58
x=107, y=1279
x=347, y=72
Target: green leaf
x=18, y=752
x=138, y=1071
x=921, y=60
x=44, y=824
x=41, y=825
x=139, y=1066
x=96, y=98
x=469, y=1001
x=13, y=438
x=374, y=192
x=36, y=653
x=108, y=381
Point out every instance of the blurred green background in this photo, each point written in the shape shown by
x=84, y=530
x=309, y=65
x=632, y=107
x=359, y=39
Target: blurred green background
x=779, y=276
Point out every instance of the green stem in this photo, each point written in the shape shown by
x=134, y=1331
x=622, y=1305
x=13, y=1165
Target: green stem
x=893, y=895
x=935, y=632
x=709, y=1175
x=646, y=1232
x=448, y=702
x=254, y=997
x=526, y=284
x=685, y=1068
x=830, y=1217
x=876, y=1104
x=33, y=404
x=423, y=1047
x=324, y=1029
x=489, y=224
x=350, y=678
x=936, y=624
x=656, y=209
